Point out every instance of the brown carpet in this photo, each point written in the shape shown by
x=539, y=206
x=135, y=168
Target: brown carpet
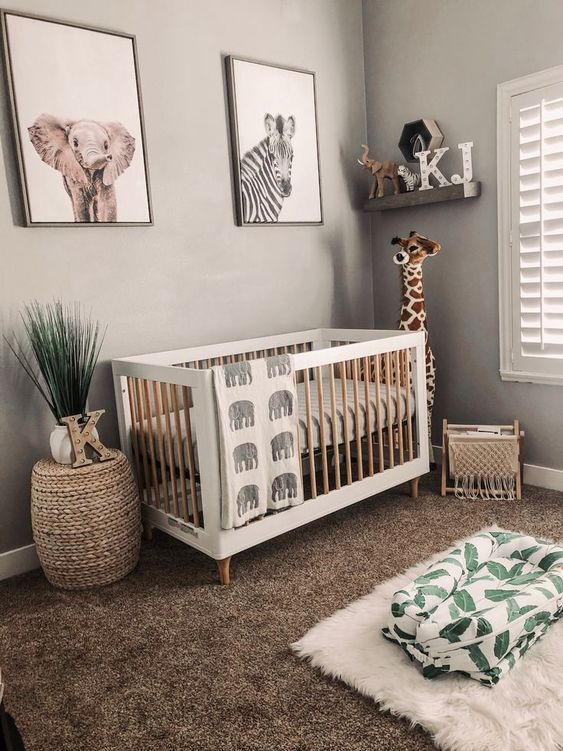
x=168, y=659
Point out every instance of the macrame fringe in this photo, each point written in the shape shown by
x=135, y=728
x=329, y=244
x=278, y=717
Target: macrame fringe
x=488, y=487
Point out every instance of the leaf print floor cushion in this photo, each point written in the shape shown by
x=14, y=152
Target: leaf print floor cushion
x=481, y=607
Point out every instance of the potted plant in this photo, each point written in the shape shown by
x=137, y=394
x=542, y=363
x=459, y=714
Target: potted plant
x=64, y=345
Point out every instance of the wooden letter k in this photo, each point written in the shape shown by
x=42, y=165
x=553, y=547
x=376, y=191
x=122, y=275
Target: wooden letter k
x=81, y=438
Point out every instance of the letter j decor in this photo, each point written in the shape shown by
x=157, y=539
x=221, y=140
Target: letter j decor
x=78, y=121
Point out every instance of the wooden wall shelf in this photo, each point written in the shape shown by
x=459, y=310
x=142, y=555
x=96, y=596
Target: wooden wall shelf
x=421, y=197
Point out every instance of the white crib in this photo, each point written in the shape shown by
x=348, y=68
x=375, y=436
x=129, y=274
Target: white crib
x=372, y=434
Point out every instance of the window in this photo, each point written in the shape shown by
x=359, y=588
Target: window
x=530, y=215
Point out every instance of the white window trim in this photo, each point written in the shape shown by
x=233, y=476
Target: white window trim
x=505, y=92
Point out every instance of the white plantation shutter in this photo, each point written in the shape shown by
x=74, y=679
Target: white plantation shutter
x=534, y=267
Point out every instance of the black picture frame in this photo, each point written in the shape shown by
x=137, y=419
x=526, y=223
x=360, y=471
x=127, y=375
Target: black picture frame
x=12, y=85
x=233, y=112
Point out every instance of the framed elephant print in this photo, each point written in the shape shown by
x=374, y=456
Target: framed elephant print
x=78, y=121
x=274, y=142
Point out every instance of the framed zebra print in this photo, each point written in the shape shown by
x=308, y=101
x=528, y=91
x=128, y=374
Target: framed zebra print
x=274, y=142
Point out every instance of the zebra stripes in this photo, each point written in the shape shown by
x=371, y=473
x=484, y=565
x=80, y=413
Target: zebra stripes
x=265, y=172
x=262, y=198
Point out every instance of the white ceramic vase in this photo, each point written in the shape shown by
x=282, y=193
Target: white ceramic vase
x=61, y=447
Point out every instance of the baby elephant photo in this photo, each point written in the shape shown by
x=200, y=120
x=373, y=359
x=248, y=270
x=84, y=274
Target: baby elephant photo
x=90, y=156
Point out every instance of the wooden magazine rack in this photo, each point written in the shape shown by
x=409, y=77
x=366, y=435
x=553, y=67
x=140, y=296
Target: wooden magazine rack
x=448, y=429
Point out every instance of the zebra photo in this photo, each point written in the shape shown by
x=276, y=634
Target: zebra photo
x=273, y=119
x=265, y=171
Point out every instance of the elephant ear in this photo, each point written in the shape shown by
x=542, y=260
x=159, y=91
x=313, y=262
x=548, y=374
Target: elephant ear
x=49, y=136
x=122, y=148
x=376, y=166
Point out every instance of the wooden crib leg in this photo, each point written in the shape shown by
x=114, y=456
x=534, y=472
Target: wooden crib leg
x=414, y=487
x=224, y=570
x=147, y=531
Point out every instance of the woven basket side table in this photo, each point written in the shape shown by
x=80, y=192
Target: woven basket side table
x=86, y=521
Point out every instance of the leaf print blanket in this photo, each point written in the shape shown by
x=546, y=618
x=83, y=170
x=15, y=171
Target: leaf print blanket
x=479, y=609
x=257, y=419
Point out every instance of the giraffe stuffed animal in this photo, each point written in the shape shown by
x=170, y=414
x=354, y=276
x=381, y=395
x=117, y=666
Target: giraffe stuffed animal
x=415, y=249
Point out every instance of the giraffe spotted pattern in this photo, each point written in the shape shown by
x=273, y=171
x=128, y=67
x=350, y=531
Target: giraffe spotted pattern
x=414, y=250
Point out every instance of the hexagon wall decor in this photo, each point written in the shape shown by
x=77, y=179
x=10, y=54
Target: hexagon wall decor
x=419, y=135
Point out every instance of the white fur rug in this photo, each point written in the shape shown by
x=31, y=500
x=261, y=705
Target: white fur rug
x=523, y=712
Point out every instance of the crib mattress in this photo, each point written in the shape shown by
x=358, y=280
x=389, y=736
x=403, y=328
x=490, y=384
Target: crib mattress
x=375, y=406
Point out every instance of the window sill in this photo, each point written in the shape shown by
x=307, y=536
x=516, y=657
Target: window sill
x=545, y=379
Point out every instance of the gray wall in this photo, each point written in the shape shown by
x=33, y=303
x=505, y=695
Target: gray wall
x=194, y=277
x=443, y=59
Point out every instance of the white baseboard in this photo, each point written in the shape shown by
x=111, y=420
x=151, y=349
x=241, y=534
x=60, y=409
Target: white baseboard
x=18, y=561
x=541, y=477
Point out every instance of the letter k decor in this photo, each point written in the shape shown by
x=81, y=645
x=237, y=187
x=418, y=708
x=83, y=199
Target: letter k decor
x=85, y=437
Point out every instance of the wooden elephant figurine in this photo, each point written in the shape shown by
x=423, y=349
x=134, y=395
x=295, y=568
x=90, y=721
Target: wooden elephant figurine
x=380, y=171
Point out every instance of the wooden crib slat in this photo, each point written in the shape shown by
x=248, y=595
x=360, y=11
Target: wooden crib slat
x=388, y=387
x=334, y=426
x=141, y=435
x=369, y=432
x=170, y=447
x=406, y=386
x=399, y=399
x=403, y=410
x=408, y=399
x=180, y=447
x=342, y=369
x=150, y=433
x=298, y=431
x=160, y=444
x=357, y=426
x=320, y=400
x=377, y=375
x=310, y=443
x=134, y=439
x=190, y=452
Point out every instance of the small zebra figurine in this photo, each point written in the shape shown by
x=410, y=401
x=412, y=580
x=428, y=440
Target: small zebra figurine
x=410, y=179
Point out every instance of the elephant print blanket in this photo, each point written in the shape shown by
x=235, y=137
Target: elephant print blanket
x=257, y=416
